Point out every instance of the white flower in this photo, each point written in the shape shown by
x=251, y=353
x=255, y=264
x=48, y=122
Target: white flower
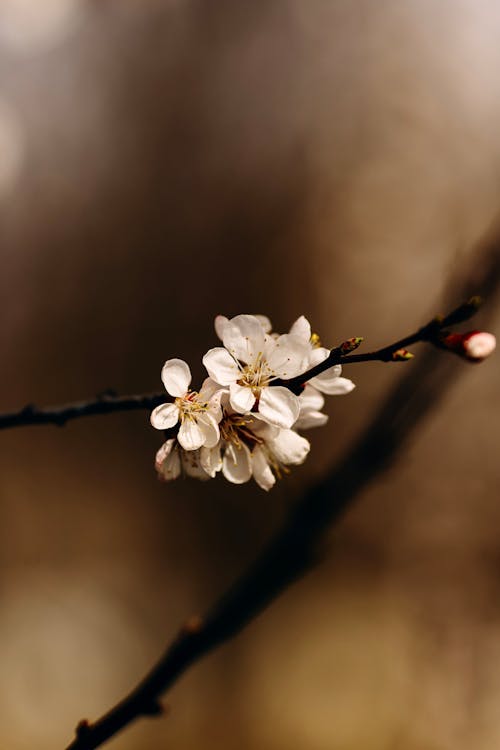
x=251, y=448
x=248, y=363
x=171, y=461
x=198, y=413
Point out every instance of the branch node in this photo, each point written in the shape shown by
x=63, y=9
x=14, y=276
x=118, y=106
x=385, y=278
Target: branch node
x=82, y=729
x=154, y=708
x=193, y=625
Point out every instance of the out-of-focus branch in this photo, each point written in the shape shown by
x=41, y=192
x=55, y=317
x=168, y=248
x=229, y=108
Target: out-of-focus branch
x=297, y=546
x=106, y=403
x=109, y=402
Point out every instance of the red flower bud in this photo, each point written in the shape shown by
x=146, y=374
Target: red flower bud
x=473, y=345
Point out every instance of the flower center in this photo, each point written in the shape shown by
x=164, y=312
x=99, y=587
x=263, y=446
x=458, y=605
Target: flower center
x=256, y=375
x=189, y=406
x=237, y=429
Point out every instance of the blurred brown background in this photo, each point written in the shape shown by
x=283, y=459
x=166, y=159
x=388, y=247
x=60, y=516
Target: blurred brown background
x=164, y=161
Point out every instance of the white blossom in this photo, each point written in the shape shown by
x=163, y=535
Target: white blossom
x=250, y=448
x=241, y=423
x=172, y=461
x=248, y=364
x=198, y=413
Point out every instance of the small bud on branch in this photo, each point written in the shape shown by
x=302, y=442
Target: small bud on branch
x=351, y=344
x=472, y=345
x=402, y=355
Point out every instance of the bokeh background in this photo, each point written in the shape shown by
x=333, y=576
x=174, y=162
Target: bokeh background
x=162, y=161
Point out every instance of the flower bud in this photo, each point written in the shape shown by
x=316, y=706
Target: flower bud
x=473, y=345
x=402, y=355
x=351, y=344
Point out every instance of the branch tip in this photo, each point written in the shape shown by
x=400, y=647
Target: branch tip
x=351, y=344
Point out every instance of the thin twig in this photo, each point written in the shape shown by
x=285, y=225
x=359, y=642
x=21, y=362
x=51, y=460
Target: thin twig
x=59, y=415
x=108, y=403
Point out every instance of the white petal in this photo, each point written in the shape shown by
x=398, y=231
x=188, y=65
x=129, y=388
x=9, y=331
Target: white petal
x=221, y=366
x=265, y=323
x=263, y=429
x=210, y=429
x=192, y=466
x=310, y=398
x=190, y=435
x=236, y=465
x=279, y=406
x=219, y=325
x=241, y=398
x=302, y=329
x=171, y=466
x=287, y=356
x=290, y=448
x=333, y=386
x=163, y=453
x=319, y=354
x=310, y=419
x=208, y=389
x=244, y=338
x=176, y=377
x=211, y=459
x=261, y=470
x=164, y=416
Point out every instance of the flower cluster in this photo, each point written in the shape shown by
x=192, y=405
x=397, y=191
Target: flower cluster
x=244, y=421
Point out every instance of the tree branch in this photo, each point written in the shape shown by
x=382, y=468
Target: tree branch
x=108, y=402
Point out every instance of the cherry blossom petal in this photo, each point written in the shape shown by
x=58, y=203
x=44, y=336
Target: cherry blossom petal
x=164, y=416
x=209, y=388
x=319, y=354
x=176, y=377
x=287, y=356
x=191, y=436
x=302, y=329
x=333, y=385
x=164, y=452
x=236, y=465
x=261, y=470
x=192, y=466
x=221, y=366
x=279, y=406
x=265, y=323
x=290, y=448
x=171, y=467
x=219, y=325
x=210, y=429
x=244, y=338
x=211, y=459
x=241, y=398
x=262, y=428
x=310, y=398
x=310, y=419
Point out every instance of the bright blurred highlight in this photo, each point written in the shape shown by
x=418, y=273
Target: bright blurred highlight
x=28, y=26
